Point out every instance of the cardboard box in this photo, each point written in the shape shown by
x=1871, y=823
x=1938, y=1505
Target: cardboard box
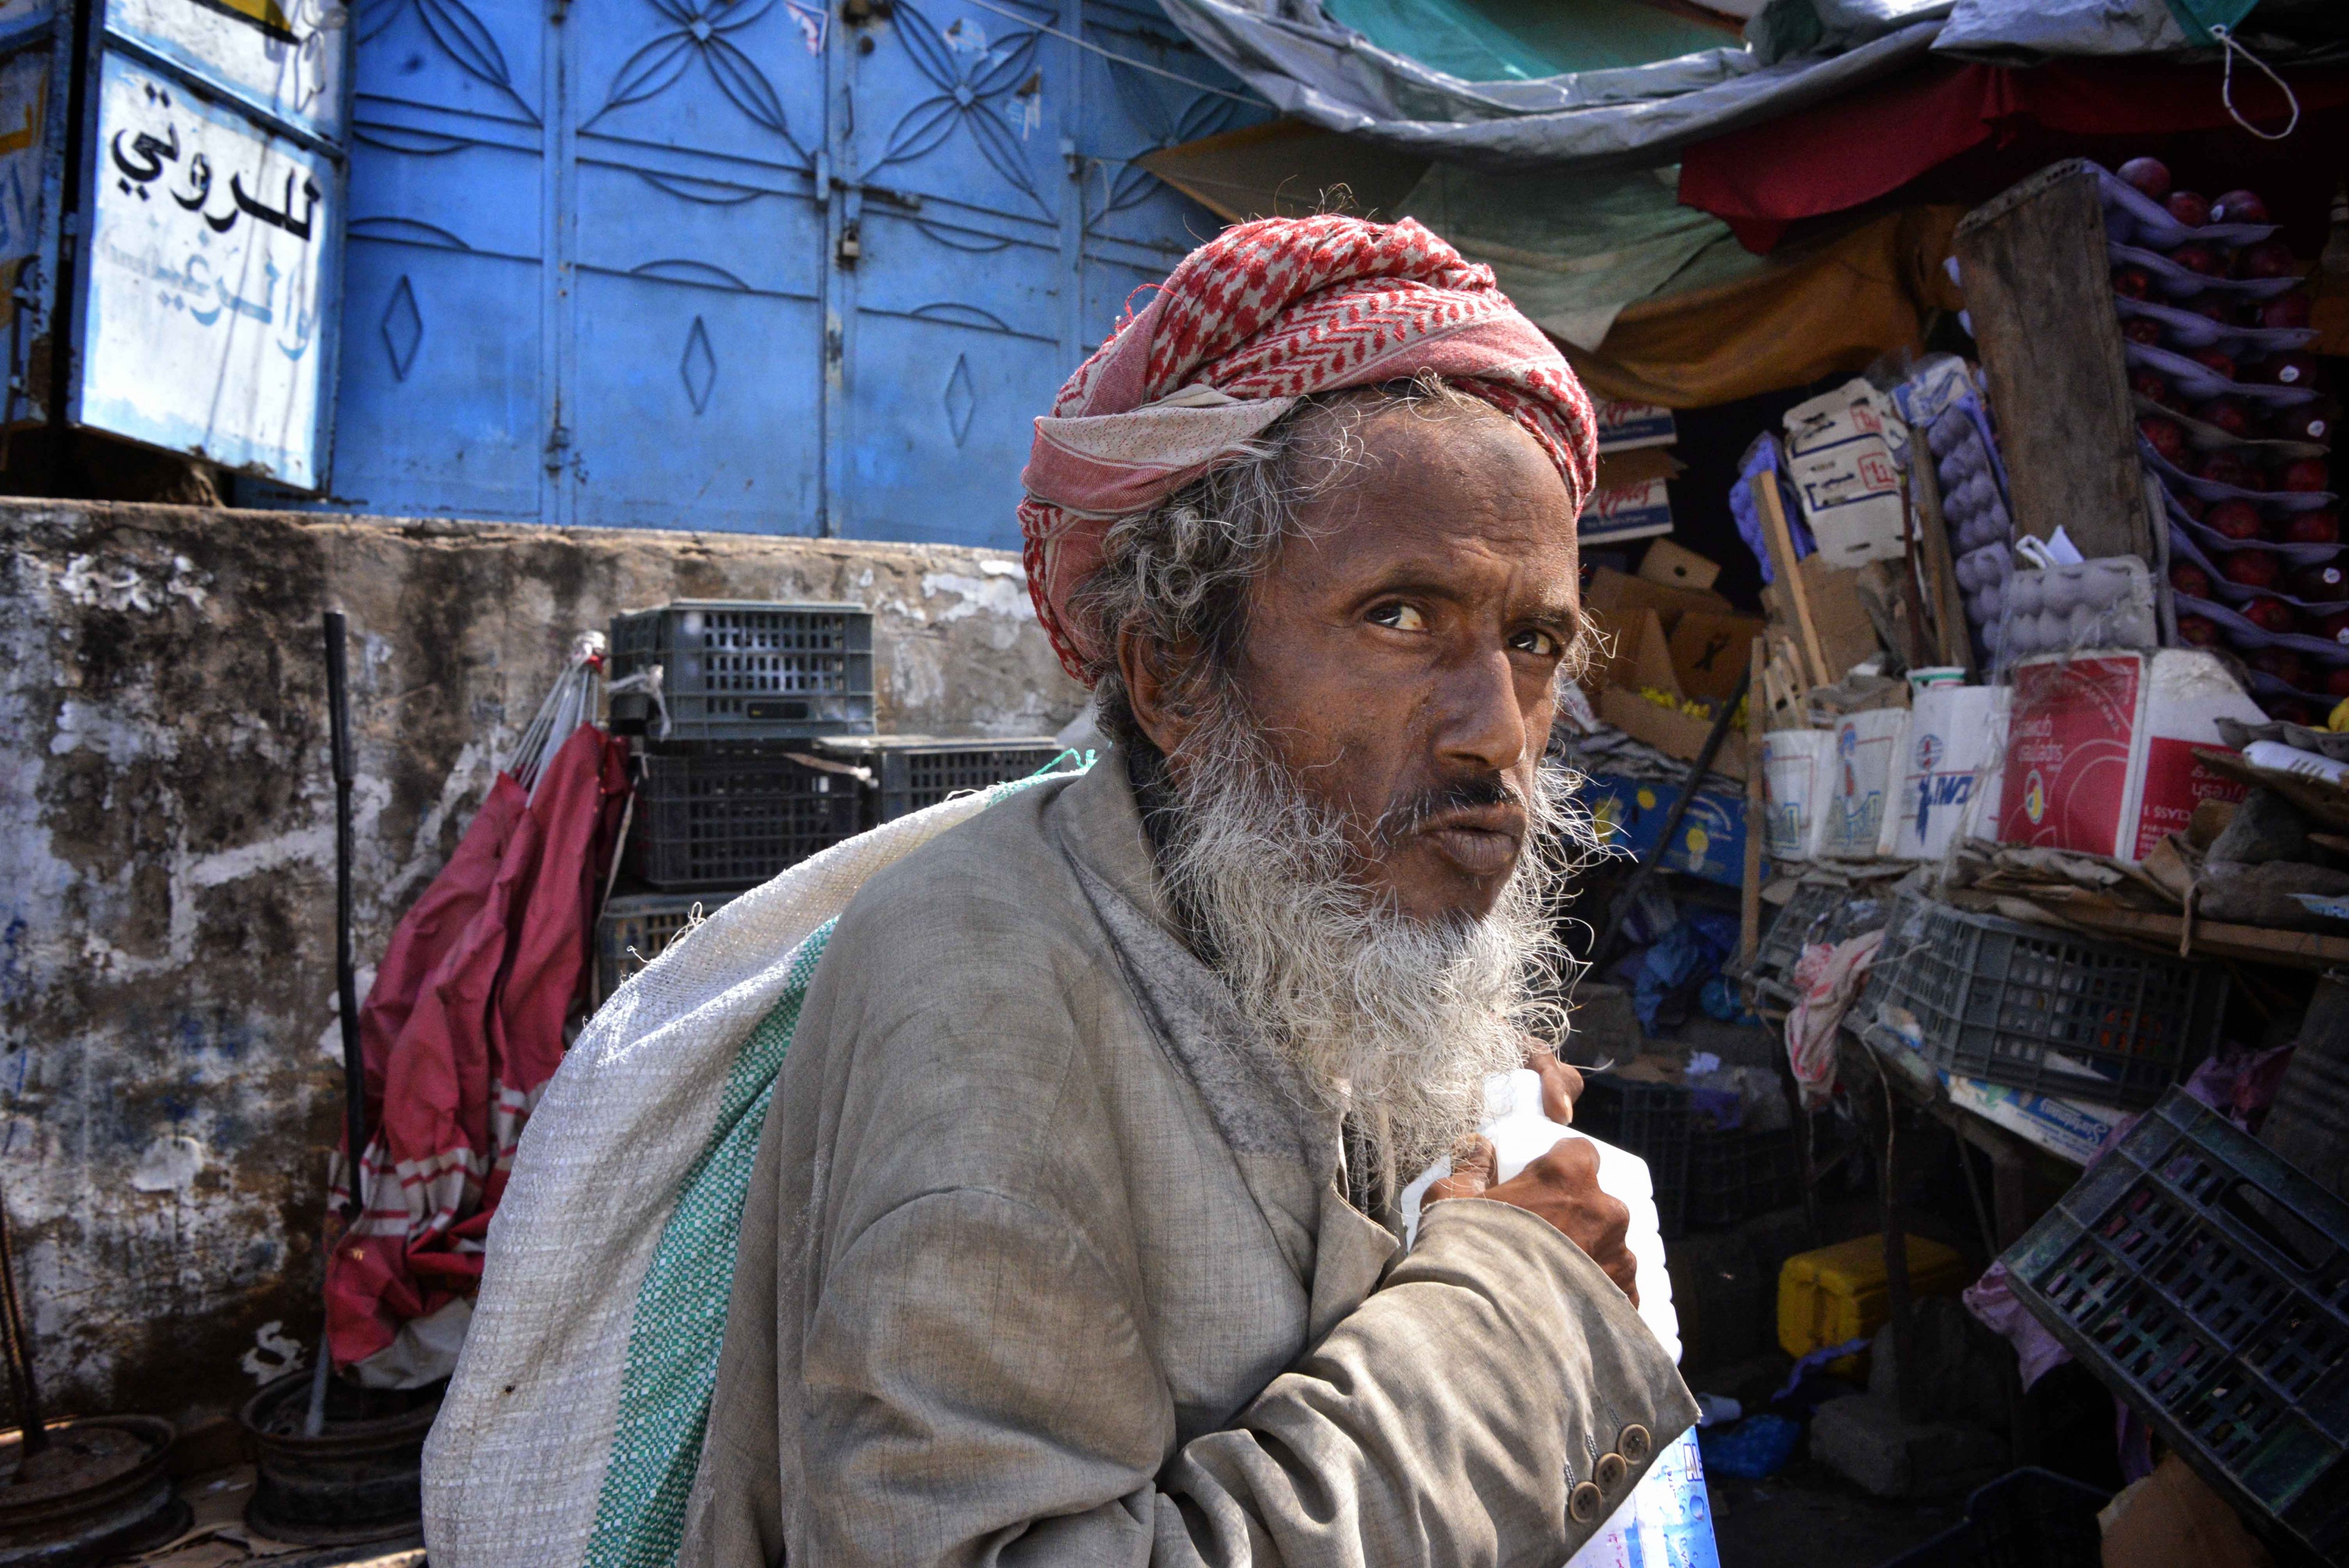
x=1840, y=463
x=1615, y=602
x=1710, y=650
x=2099, y=753
x=1710, y=842
x=1623, y=426
x=1636, y=510
x=1866, y=750
x=1670, y=730
x=1847, y=634
x=1794, y=768
x=1948, y=785
x=2069, y=1129
x=1677, y=568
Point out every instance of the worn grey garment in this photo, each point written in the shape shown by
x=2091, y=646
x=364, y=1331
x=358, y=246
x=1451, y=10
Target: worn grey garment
x=1045, y=1261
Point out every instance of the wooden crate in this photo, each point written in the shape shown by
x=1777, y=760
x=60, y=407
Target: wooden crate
x=2039, y=290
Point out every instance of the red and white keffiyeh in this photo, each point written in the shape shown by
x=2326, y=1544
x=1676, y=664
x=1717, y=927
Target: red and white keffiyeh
x=1263, y=314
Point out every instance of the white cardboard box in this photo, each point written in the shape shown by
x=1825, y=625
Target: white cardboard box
x=2100, y=750
x=1860, y=775
x=1948, y=785
x=1794, y=774
x=1842, y=466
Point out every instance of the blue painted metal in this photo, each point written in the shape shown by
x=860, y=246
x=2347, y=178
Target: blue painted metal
x=744, y=264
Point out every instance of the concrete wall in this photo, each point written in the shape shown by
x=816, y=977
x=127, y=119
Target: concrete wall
x=168, y=1049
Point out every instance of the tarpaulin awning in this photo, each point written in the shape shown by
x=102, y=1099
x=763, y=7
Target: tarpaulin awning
x=1824, y=308
x=1526, y=40
x=1309, y=63
x=1832, y=157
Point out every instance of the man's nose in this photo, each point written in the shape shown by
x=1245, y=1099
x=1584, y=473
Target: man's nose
x=1481, y=725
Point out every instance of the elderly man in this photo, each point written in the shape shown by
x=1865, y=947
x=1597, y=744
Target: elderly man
x=1071, y=1234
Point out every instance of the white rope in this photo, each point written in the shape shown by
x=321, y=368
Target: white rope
x=1121, y=59
x=2219, y=30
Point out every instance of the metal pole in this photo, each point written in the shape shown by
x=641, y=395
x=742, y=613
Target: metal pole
x=20, y=1352
x=1625, y=900
x=346, y=1001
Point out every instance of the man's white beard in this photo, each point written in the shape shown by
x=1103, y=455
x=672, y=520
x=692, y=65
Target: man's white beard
x=1395, y=1021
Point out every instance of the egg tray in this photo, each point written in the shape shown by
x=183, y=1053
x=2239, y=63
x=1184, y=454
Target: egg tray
x=2102, y=603
x=2199, y=381
x=2330, y=744
x=2184, y=282
x=2131, y=214
x=2208, y=538
x=1973, y=495
x=2211, y=438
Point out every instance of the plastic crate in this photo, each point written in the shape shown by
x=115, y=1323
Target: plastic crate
x=635, y=928
x=2206, y=1283
x=2042, y=1010
x=1735, y=1175
x=2028, y=1518
x=733, y=819
x=911, y=772
x=1819, y=912
x=745, y=670
x=1650, y=1120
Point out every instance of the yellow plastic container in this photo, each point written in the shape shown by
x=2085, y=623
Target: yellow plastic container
x=1838, y=1293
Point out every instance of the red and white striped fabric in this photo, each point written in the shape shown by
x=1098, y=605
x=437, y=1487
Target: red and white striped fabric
x=1263, y=314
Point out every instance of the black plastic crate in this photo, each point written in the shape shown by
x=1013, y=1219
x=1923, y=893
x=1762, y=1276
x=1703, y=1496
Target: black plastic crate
x=2028, y=1518
x=742, y=669
x=1650, y=1120
x=635, y=928
x=1819, y=912
x=2045, y=1010
x=911, y=772
x=2206, y=1283
x=1735, y=1175
x=733, y=819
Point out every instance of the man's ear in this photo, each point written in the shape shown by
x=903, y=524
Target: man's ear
x=1152, y=688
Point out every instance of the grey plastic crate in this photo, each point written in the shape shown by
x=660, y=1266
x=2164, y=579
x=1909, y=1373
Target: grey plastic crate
x=910, y=771
x=2205, y=1282
x=734, y=819
x=742, y=669
x=637, y=928
x=2034, y=1008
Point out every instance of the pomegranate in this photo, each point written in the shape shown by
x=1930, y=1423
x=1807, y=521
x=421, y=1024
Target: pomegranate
x=2282, y=663
x=2216, y=308
x=2313, y=422
x=2188, y=208
x=2132, y=282
x=2306, y=475
x=2190, y=580
x=2269, y=258
x=2334, y=628
x=2198, y=258
x=2215, y=361
x=2193, y=505
x=2227, y=414
x=2198, y=631
x=2251, y=569
x=2336, y=682
x=2153, y=386
x=2144, y=331
x=2151, y=175
x=2226, y=468
x=2271, y=615
x=2291, y=710
x=2167, y=437
x=2287, y=309
x=2239, y=207
x=2234, y=519
x=2312, y=528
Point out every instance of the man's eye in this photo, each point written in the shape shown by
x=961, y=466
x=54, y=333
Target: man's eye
x=1536, y=641
x=1401, y=618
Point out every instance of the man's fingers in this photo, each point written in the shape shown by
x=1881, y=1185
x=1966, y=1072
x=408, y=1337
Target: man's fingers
x=1561, y=1084
x=1475, y=1164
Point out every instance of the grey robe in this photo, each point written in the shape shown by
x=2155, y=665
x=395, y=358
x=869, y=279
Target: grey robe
x=1046, y=1260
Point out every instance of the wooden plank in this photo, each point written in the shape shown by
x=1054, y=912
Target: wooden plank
x=2038, y=292
x=1941, y=568
x=2254, y=944
x=1788, y=570
x=1749, y=903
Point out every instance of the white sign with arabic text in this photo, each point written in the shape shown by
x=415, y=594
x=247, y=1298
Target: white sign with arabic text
x=205, y=318
x=287, y=55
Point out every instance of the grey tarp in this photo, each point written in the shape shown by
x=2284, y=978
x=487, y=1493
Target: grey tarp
x=1798, y=53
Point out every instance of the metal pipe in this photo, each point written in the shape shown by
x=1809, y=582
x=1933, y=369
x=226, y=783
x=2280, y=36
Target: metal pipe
x=20, y=1352
x=346, y=1001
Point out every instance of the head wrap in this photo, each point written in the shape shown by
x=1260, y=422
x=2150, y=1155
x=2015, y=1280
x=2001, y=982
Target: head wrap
x=1263, y=314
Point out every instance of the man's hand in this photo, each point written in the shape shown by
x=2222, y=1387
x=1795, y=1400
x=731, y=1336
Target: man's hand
x=1562, y=1187
x=1561, y=1083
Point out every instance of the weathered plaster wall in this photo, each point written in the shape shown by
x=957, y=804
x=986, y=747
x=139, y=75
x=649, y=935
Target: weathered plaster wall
x=168, y=1086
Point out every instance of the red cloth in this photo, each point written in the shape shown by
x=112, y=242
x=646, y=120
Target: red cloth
x=1868, y=144
x=476, y=1039
x=1258, y=317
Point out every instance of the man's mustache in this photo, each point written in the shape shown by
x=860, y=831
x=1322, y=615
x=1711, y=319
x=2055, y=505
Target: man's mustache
x=1414, y=810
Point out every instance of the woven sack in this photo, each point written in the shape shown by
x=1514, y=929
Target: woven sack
x=573, y=1425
